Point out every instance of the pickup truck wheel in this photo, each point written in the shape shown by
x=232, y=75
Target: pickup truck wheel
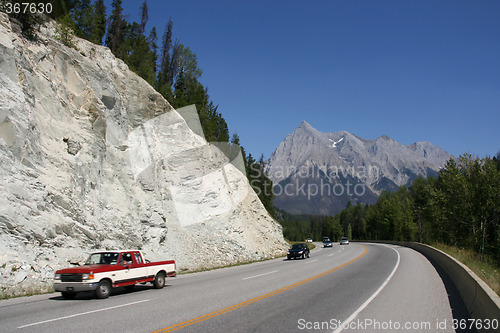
x=68, y=295
x=103, y=289
x=159, y=281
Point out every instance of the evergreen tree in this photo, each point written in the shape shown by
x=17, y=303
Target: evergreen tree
x=99, y=22
x=471, y=202
x=188, y=62
x=221, y=132
x=173, y=65
x=235, y=145
x=65, y=29
x=266, y=185
x=426, y=207
x=116, y=30
x=144, y=17
x=332, y=228
x=391, y=218
x=187, y=89
x=166, y=72
x=153, y=46
x=251, y=172
x=83, y=17
x=138, y=54
x=259, y=181
x=455, y=205
x=180, y=98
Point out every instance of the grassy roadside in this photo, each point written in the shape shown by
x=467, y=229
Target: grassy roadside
x=309, y=245
x=488, y=272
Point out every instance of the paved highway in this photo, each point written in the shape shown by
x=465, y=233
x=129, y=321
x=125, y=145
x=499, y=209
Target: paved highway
x=361, y=287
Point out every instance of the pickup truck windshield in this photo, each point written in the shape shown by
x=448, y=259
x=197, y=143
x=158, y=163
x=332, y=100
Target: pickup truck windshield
x=104, y=258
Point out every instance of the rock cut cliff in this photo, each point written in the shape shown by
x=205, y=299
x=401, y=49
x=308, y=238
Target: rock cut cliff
x=92, y=157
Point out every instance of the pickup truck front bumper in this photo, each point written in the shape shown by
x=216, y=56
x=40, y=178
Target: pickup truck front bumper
x=75, y=286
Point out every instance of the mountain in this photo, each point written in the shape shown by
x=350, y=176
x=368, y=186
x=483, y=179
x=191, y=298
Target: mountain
x=93, y=158
x=319, y=173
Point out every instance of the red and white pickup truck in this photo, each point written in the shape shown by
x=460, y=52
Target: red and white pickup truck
x=109, y=269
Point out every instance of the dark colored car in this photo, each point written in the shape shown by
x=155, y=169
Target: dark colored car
x=327, y=242
x=298, y=250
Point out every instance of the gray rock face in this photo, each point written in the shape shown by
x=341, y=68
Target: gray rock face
x=92, y=157
x=319, y=173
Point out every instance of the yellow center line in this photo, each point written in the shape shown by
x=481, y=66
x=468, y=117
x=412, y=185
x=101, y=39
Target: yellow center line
x=256, y=299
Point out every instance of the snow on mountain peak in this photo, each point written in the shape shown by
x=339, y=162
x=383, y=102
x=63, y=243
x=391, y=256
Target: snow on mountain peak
x=335, y=143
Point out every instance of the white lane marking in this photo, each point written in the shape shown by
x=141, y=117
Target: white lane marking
x=82, y=314
x=331, y=254
x=251, y=277
x=346, y=322
x=311, y=261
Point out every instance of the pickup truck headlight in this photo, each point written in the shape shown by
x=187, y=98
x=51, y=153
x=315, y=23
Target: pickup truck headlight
x=87, y=276
x=57, y=276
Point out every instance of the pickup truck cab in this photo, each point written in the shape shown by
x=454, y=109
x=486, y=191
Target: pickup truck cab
x=110, y=269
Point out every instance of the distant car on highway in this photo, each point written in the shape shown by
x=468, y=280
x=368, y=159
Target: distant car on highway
x=344, y=241
x=309, y=240
x=298, y=250
x=327, y=243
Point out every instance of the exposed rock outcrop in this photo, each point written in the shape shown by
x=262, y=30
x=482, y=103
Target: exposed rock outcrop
x=92, y=157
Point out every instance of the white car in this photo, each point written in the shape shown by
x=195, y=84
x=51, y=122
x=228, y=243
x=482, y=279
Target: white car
x=309, y=240
x=344, y=241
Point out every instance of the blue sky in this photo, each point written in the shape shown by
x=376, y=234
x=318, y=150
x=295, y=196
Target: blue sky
x=413, y=70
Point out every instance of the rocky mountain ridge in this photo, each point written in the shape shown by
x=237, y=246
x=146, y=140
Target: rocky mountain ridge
x=318, y=173
x=93, y=158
